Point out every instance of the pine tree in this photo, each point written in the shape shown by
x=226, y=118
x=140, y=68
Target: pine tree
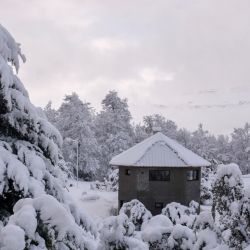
x=35, y=212
x=241, y=147
x=114, y=131
x=227, y=203
x=50, y=113
x=167, y=127
x=75, y=121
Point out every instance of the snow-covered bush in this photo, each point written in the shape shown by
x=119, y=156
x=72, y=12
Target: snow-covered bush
x=206, y=186
x=109, y=184
x=206, y=233
x=227, y=201
x=206, y=239
x=31, y=171
x=245, y=216
x=117, y=232
x=136, y=212
x=203, y=221
x=46, y=222
x=157, y=231
x=180, y=214
x=181, y=238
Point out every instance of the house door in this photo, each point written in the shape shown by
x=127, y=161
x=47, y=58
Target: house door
x=142, y=181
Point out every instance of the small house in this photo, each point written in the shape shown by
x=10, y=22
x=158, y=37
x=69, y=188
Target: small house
x=158, y=171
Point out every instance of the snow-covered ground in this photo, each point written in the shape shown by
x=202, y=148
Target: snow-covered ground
x=95, y=203
x=98, y=204
x=246, y=179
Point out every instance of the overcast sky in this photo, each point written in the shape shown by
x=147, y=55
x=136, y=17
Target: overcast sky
x=187, y=60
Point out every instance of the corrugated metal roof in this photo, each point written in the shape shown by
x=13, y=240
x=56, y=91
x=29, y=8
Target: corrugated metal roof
x=159, y=151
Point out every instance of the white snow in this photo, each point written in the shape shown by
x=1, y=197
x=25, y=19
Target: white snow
x=156, y=227
x=246, y=180
x=183, y=233
x=206, y=237
x=159, y=150
x=96, y=208
x=25, y=218
x=12, y=238
x=90, y=197
x=180, y=214
x=15, y=169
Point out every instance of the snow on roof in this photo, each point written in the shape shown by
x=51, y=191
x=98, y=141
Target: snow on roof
x=159, y=151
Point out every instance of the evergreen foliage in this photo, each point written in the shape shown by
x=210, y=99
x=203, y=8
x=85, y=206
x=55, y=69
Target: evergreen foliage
x=32, y=194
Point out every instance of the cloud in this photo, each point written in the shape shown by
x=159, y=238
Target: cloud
x=208, y=91
x=192, y=105
x=154, y=75
x=110, y=44
x=166, y=53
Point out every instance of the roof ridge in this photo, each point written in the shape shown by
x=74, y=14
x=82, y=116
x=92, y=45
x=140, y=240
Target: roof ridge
x=146, y=152
x=175, y=151
x=166, y=144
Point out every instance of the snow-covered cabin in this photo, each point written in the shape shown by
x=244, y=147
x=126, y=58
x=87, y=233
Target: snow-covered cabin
x=158, y=171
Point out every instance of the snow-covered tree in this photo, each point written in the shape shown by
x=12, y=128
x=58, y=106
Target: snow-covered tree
x=75, y=121
x=50, y=113
x=207, y=179
x=117, y=233
x=110, y=182
x=136, y=212
x=224, y=149
x=241, y=147
x=35, y=211
x=227, y=201
x=114, y=131
x=139, y=133
x=184, y=137
x=204, y=144
x=167, y=127
x=245, y=216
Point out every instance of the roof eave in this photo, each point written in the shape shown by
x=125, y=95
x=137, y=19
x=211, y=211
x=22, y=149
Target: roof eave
x=160, y=166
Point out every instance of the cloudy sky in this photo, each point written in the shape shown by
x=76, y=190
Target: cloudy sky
x=187, y=60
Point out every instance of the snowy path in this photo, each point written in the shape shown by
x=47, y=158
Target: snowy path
x=95, y=203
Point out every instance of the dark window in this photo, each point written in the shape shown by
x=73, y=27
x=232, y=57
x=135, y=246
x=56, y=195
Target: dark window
x=159, y=175
x=193, y=175
x=128, y=172
x=158, y=204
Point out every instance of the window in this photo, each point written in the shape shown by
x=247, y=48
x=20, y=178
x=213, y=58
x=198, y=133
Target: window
x=193, y=175
x=128, y=172
x=159, y=175
x=159, y=205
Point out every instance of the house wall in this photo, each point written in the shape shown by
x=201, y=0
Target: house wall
x=137, y=186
